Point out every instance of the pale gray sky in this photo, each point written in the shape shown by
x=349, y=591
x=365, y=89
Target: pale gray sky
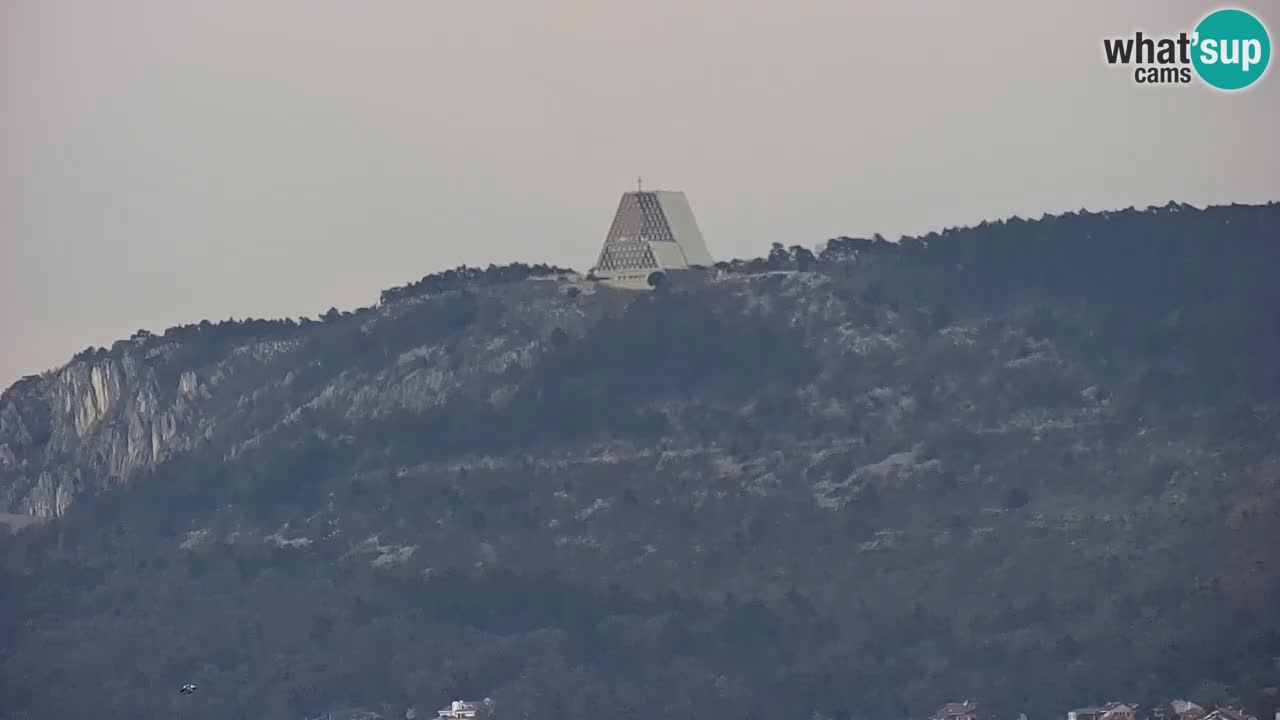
x=164, y=162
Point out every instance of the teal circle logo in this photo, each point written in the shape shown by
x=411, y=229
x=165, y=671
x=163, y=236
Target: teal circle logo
x=1232, y=49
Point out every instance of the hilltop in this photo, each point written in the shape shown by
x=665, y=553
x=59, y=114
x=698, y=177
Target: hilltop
x=1033, y=462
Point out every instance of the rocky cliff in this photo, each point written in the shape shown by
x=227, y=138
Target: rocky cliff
x=109, y=414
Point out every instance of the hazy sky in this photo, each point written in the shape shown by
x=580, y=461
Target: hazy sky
x=167, y=161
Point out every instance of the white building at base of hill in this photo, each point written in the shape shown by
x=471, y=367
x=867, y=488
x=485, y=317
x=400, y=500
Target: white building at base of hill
x=464, y=710
x=652, y=231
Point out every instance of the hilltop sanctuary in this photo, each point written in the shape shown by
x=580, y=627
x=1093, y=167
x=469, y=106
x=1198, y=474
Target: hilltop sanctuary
x=652, y=231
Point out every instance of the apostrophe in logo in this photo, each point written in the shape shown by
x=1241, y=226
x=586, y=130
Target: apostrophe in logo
x=1232, y=49
x=1229, y=49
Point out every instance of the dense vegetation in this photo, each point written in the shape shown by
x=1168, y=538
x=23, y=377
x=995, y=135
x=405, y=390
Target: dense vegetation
x=470, y=278
x=1033, y=463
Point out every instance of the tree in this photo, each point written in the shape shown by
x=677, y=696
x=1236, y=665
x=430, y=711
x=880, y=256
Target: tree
x=779, y=258
x=1015, y=498
x=804, y=258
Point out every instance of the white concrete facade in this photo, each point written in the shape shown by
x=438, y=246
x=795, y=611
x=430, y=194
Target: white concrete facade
x=651, y=231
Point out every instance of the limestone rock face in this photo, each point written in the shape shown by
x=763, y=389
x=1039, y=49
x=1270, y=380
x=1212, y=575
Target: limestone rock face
x=110, y=414
x=94, y=421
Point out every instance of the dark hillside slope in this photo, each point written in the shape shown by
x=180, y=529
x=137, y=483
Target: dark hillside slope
x=1035, y=463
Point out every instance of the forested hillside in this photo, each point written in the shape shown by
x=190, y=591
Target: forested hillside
x=1033, y=463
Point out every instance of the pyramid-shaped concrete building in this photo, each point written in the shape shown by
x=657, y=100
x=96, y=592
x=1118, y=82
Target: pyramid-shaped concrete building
x=652, y=231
